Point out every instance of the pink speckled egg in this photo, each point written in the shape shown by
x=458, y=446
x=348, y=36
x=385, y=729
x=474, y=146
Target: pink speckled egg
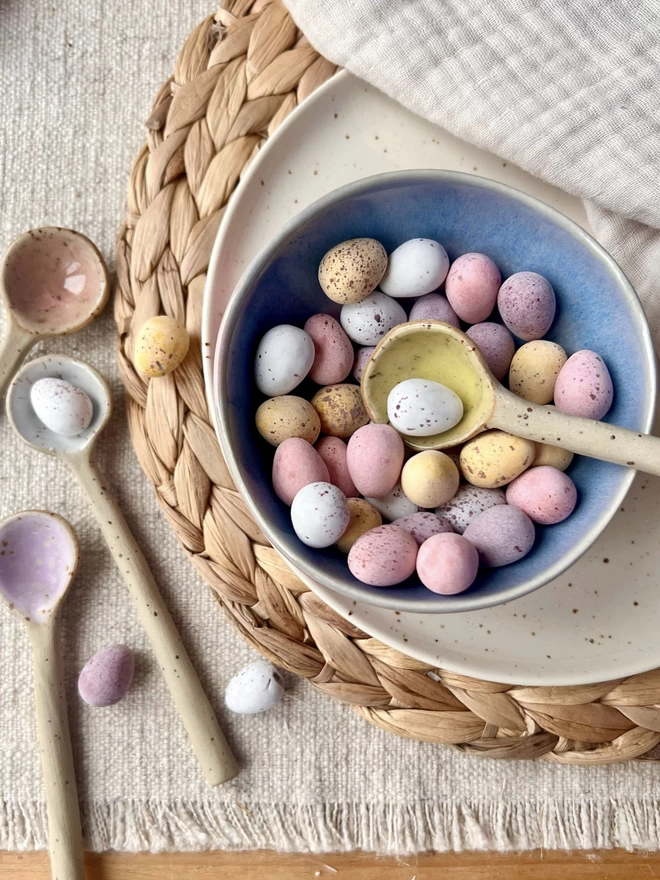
x=383, y=557
x=447, y=564
x=107, y=676
x=424, y=524
x=361, y=357
x=375, y=459
x=584, y=386
x=333, y=452
x=495, y=344
x=545, y=494
x=295, y=464
x=501, y=534
x=471, y=287
x=333, y=352
x=527, y=305
x=434, y=307
x=467, y=503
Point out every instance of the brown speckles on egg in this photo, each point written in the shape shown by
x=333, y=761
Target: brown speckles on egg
x=340, y=409
x=584, y=386
x=350, y=271
x=288, y=416
x=495, y=458
x=527, y=305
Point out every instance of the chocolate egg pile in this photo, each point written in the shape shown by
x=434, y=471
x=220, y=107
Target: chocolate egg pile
x=353, y=483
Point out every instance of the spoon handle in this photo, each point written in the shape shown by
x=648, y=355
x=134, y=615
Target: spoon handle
x=13, y=348
x=64, y=832
x=208, y=742
x=583, y=436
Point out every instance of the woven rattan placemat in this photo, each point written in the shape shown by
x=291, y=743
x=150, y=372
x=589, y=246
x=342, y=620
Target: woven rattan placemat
x=238, y=76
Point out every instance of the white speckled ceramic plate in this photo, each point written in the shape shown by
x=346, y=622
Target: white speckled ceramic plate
x=600, y=620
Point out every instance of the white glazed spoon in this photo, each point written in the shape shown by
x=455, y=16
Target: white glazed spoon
x=192, y=704
x=38, y=559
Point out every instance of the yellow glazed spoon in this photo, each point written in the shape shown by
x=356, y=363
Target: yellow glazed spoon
x=439, y=352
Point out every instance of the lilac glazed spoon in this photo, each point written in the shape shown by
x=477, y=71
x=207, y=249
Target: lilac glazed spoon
x=38, y=559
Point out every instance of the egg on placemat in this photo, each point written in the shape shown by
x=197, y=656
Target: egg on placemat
x=284, y=357
x=62, y=407
x=160, y=346
x=584, y=386
x=367, y=321
x=320, y=514
x=351, y=270
x=375, y=458
x=296, y=464
x=279, y=418
x=421, y=407
x=107, y=676
x=468, y=502
x=383, y=557
x=416, y=267
x=255, y=688
x=502, y=535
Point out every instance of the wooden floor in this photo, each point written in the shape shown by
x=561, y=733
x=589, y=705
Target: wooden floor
x=611, y=865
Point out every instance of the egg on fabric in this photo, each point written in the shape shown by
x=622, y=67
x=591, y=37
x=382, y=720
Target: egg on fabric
x=340, y=409
x=383, y=557
x=367, y=321
x=496, y=346
x=553, y=456
x=364, y=517
x=584, y=386
x=256, y=688
x=421, y=407
x=296, y=464
x=429, y=478
x=415, y=268
x=434, y=307
x=447, y=564
x=284, y=357
x=527, y=305
x=351, y=270
x=333, y=352
x=467, y=503
x=160, y=346
x=62, y=407
x=320, y=514
x=501, y=534
x=375, y=458
x=395, y=505
x=107, y=677
x=423, y=524
x=545, y=494
x=494, y=458
x=362, y=355
x=471, y=287
x=534, y=370
x=279, y=418
x=333, y=451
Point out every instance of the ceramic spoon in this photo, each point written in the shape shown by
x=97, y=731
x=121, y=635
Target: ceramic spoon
x=52, y=282
x=438, y=351
x=191, y=702
x=38, y=559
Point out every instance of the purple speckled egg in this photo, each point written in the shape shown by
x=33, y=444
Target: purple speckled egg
x=362, y=355
x=296, y=464
x=447, y=564
x=471, y=287
x=495, y=344
x=467, y=503
x=502, y=535
x=375, y=459
x=527, y=305
x=333, y=352
x=424, y=524
x=333, y=452
x=545, y=494
x=584, y=386
x=434, y=307
x=383, y=557
x=107, y=677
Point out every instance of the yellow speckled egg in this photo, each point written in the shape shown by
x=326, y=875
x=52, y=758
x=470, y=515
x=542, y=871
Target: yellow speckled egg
x=552, y=456
x=364, y=517
x=495, y=458
x=429, y=478
x=340, y=409
x=280, y=418
x=160, y=346
x=534, y=370
x=350, y=271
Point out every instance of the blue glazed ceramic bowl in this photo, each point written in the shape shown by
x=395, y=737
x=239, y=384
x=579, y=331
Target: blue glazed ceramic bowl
x=596, y=308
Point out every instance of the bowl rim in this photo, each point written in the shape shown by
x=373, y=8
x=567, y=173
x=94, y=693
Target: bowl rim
x=462, y=601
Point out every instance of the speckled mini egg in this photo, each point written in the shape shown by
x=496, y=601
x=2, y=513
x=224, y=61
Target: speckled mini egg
x=423, y=524
x=62, y=407
x=296, y=464
x=434, y=307
x=160, y=346
x=367, y=321
x=467, y=503
x=362, y=355
x=340, y=409
x=107, y=677
x=279, y=418
x=383, y=557
x=333, y=352
x=255, y=688
x=496, y=346
x=545, y=494
x=502, y=535
x=584, y=386
x=552, y=456
x=375, y=458
x=333, y=452
x=350, y=271
x=416, y=267
x=534, y=370
x=364, y=517
x=447, y=564
x=527, y=305
x=471, y=287
x=394, y=505
x=421, y=407
x=429, y=478
x=495, y=458
x=284, y=356
x=320, y=514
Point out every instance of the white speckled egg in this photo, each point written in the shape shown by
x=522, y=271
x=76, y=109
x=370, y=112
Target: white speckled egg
x=421, y=407
x=467, y=503
x=394, y=505
x=416, y=267
x=62, y=407
x=320, y=514
x=256, y=688
x=284, y=357
x=367, y=321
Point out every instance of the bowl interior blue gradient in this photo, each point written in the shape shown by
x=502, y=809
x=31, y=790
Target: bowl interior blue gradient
x=596, y=309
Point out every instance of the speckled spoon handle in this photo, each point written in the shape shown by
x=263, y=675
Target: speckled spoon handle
x=192, y=704
x=14, y=346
